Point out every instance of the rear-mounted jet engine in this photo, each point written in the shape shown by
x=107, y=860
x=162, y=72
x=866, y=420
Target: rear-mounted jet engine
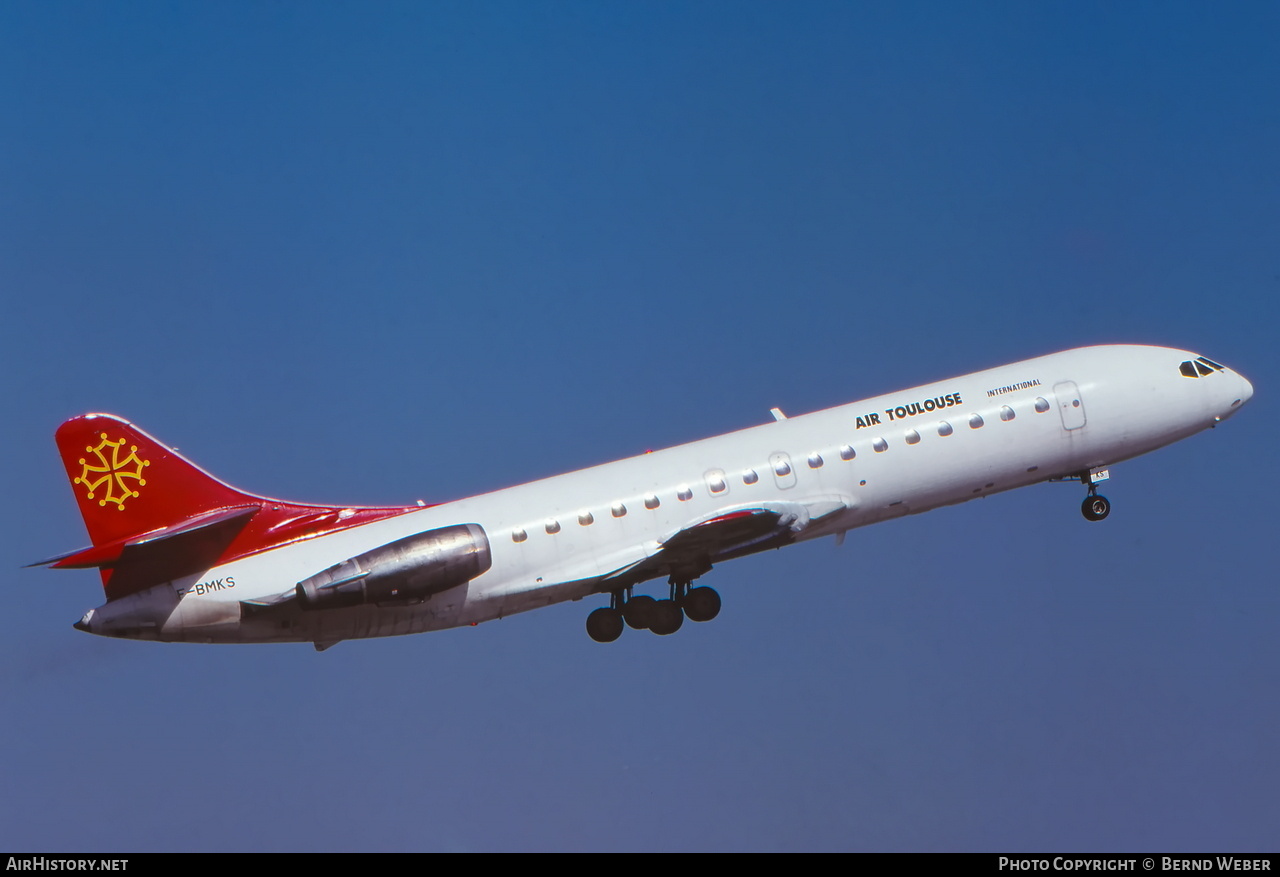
x=404, y=571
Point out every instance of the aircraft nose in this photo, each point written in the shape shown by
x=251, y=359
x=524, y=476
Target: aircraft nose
x=1245, y=391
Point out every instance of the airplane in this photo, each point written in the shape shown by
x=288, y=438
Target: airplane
x=185, y=557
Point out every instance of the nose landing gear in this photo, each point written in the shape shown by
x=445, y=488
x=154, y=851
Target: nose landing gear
x=1095, y=507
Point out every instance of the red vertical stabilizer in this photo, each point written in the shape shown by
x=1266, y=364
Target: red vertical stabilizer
x=127, y=483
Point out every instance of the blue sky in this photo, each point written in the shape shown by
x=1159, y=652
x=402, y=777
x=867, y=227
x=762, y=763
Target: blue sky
x=356, y=253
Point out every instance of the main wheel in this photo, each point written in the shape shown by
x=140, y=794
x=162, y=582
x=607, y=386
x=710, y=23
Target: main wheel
x=604, y=625
x=638, y=612
x=1095, y=508
x=666, y=618
x=702, y=604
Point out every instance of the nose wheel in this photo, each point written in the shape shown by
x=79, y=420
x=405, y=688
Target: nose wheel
x=1095, y=507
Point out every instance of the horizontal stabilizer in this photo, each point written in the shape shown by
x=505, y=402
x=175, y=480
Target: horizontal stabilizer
x=112, y=553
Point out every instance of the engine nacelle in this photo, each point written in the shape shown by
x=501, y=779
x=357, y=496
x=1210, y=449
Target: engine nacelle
x=404, y=571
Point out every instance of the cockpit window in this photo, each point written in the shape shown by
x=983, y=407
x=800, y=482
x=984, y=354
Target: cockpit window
x=1202, y=366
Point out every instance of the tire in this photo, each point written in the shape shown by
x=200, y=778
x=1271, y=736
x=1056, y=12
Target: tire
x=666, y=618
x=638, y=612
x=604, y=625
x=1095, y=508
x=702, y=604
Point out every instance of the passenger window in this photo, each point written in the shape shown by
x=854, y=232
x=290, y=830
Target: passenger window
x=815, y=461
x=619, y=509
x=783, y=472
x=1006, y=414
x=847, y=452
x=880, y=445
x=553, y=527
x=585, y=518
x=518, y=535
x=750, y=477
x=684, y=493
x=944, y=428
x=912, y=436
x=975, y=421
x=1042, y=404
x=715, y=481
x=651, y=502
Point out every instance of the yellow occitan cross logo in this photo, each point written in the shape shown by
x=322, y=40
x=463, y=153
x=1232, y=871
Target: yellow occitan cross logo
x=111, y=473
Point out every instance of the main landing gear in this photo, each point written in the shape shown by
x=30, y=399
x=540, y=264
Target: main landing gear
x=642, y=612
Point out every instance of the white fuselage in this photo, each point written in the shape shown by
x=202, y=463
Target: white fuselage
x=896, y=454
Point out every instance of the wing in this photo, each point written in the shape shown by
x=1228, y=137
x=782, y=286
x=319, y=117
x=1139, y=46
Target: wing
x=728, y=533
